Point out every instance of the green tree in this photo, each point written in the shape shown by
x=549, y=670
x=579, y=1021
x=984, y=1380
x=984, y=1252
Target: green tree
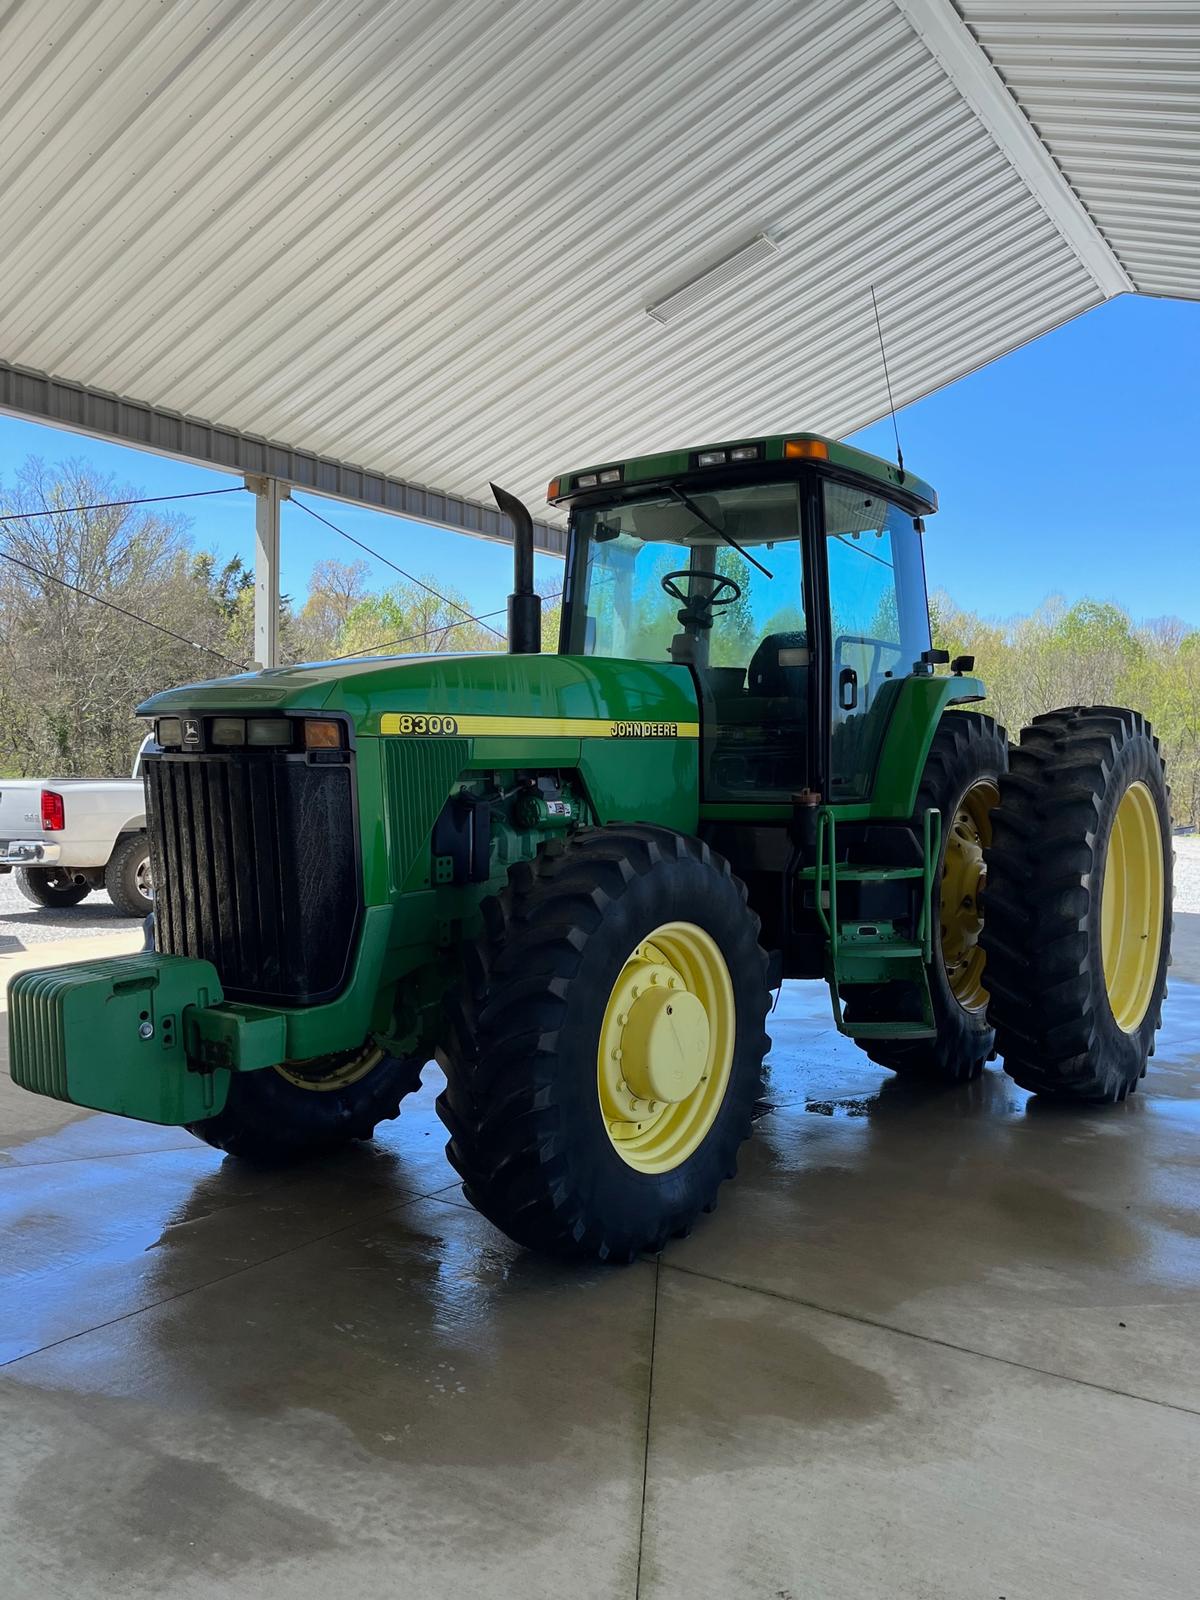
x=412, y=620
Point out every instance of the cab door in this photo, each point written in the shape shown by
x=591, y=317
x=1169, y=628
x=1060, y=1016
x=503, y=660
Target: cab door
x=878, y=625
x=755, y=674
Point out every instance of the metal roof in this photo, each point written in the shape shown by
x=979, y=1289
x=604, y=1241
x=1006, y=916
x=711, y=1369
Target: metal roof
x=1114, y=93
x=424, y=237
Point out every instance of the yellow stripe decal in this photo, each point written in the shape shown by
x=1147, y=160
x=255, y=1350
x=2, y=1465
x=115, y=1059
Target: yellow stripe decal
x=424, y=725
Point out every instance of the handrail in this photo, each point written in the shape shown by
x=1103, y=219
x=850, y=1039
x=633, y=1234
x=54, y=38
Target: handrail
x=931, y=827
x=827, y=826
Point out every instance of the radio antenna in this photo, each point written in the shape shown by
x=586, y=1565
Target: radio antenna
x=887, y=380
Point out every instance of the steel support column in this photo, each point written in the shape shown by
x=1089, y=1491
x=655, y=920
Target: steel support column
x=269, y=495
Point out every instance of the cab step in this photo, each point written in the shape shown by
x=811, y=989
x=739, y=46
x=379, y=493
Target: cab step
x=864, y=952
x=864, y=873
x=888, y=1030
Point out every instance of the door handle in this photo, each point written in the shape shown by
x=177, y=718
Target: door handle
x=847, y=688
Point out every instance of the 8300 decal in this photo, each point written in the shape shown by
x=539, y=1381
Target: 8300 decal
x=417, y=723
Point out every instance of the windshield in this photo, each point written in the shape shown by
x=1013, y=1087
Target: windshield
x=650, y=560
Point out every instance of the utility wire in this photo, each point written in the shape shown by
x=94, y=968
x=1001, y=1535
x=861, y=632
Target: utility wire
x=108, y=505
x=50, y=577
x=200, y=494
x=444, y=598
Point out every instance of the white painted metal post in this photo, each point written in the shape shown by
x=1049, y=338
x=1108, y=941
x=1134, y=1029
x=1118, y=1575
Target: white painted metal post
x=269, y=493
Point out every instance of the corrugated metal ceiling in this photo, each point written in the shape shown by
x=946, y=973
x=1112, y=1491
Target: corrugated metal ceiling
x=423, y=235
x=1114, y=92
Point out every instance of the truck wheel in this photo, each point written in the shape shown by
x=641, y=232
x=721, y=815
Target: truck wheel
x=127, y=876
x=46, y=886
x=968, y=755
x=289, y=1113
x=606, y=1046
x=1078, y=929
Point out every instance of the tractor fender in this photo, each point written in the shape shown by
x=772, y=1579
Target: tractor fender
x=919, y=708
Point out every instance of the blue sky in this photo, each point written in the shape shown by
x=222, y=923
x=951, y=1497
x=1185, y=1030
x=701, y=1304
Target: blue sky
x=1065, y=468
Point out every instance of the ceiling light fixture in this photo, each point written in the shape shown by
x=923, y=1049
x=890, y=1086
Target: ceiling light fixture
x=677, y=304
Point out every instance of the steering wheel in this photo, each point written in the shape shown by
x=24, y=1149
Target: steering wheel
x=724, y=593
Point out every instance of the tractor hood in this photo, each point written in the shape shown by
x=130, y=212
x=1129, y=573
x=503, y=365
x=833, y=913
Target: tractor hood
x=498, y=688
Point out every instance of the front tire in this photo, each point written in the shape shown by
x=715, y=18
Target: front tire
x=40, y=885
x=1079, y=904
x=280, y=1115
x=606, y=1046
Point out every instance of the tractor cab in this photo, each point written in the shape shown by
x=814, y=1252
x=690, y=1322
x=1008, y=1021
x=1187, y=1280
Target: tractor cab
x=785, y=574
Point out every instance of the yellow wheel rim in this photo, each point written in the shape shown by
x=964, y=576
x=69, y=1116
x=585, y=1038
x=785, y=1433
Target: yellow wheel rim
x=332, y=1072
x=1131, y=907
x=963, y=879
x=666, y=1047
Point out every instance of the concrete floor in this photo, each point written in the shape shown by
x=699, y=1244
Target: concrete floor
x=929, y=1346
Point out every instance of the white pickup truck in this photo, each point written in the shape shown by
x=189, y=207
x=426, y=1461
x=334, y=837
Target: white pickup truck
x=65, y=837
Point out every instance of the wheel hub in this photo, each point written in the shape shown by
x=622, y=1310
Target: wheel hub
x=666, y=1047
x=665, y=1042
x=964, y=878
x=330, y=1073
x=962, y=887
x=1131, y=907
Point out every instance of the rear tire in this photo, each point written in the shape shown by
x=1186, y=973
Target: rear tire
x=37, y=884
x=127, y=876
x=527, y=1056
x=280, y=1115
x=964, y=766
x=1065, y=1029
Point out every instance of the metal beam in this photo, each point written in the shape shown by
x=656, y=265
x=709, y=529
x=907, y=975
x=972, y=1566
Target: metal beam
x=40, y=398
x=958, y=53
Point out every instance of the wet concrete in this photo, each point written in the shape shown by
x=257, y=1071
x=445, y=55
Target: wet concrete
x=930, y=1345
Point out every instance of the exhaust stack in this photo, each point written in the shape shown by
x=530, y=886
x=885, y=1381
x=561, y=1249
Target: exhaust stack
x=524, y=603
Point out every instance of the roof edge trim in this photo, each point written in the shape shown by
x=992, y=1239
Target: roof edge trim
x=966, y=64
x=64, y=404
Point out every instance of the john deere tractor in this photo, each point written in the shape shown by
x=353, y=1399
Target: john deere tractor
x=576, y=878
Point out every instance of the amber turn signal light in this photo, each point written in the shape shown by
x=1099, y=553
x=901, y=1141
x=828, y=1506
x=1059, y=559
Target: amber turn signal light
x=805, y=450
x=319, y=735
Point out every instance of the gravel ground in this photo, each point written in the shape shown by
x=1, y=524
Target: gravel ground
x=1187, y=873
x=23, y=924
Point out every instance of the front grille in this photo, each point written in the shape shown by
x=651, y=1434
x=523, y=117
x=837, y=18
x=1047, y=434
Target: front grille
x=255, y=860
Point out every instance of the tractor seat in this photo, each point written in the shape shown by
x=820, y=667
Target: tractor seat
x=779, y=667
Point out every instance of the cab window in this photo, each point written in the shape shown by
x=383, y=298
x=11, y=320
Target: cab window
x=664, y=582
x=879, y=625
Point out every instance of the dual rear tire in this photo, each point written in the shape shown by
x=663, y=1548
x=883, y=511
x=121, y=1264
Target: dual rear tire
x=1077, y=931
x=1055, y=897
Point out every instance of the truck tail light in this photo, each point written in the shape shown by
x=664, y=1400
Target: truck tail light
x=53, y=812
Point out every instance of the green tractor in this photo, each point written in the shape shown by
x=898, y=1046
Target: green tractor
x=576, y=878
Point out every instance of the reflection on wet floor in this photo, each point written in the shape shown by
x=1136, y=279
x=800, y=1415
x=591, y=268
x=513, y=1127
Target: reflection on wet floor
x=915, y=1309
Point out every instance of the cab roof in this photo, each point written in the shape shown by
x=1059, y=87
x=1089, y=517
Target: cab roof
x=791, y=447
